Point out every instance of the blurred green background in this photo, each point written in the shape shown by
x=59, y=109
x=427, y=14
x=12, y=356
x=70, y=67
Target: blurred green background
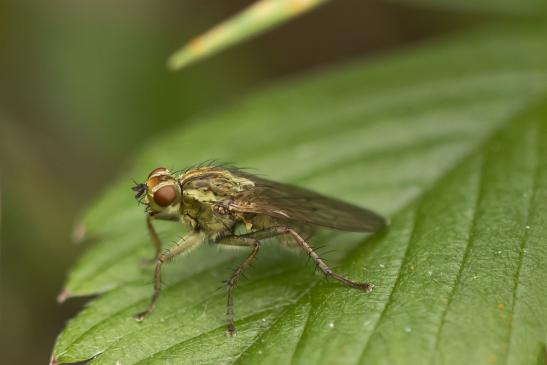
x=84, y=85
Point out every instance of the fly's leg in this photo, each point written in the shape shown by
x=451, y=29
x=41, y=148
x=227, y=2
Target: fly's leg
x=154, y=238
x=301, y=242
x=154, y=235
x=367, y=287
x=232, y=282
x=185, y=244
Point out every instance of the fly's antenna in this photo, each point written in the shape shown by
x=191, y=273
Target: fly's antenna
x=139, y=189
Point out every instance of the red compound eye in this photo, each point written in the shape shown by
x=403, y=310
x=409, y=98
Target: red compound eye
x=165, y=195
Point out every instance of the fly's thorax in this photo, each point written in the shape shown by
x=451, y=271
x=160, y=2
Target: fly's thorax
x=213, y=182
x=203, y=187
x=202, y=190
x=201, y=196
x=163, y=192
x=197, y=211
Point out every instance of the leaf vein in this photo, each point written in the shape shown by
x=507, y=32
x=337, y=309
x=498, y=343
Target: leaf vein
x=465, y=258
x=524, y=240
x=397, y=281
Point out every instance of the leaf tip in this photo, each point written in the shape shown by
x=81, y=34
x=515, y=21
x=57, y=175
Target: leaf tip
x=78, y=233
x=179, y=60
x=63, y=295
x=171, y=64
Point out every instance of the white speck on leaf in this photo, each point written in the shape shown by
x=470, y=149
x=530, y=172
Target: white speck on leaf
x=331, y=324
x=382, y=266
x=408, y=329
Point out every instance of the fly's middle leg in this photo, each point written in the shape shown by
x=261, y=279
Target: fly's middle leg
x=232, y=282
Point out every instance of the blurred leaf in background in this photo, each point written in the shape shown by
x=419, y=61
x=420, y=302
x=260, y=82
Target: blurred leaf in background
x=83, y=86
x=508, y=7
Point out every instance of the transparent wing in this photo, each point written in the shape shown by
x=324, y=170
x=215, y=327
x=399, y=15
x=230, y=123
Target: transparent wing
x=288, y=202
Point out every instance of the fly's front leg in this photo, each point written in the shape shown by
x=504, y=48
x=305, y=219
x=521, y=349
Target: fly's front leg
x=301, y=242
x=185, y=244
x=154, y=235
x=232, y=282
x=154, y=238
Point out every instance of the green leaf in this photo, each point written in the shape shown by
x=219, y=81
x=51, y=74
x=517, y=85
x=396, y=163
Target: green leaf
x=449, y=141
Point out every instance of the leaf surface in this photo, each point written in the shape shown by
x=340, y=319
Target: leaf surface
x=448, y=141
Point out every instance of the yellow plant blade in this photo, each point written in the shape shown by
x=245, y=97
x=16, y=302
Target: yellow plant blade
x=257, y=18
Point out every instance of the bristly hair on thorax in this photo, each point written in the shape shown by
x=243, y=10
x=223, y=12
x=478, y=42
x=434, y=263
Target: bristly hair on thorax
x=215, y=163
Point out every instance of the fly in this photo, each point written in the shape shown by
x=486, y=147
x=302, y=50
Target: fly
x=215, y=202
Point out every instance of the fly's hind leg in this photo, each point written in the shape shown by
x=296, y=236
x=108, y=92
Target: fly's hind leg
x=367, y=287
x=232, y=282
x=301, y=242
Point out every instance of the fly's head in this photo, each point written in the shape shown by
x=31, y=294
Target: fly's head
x=161, y=193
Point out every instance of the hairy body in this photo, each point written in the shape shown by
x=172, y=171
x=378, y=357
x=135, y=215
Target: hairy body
x=230, y=207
